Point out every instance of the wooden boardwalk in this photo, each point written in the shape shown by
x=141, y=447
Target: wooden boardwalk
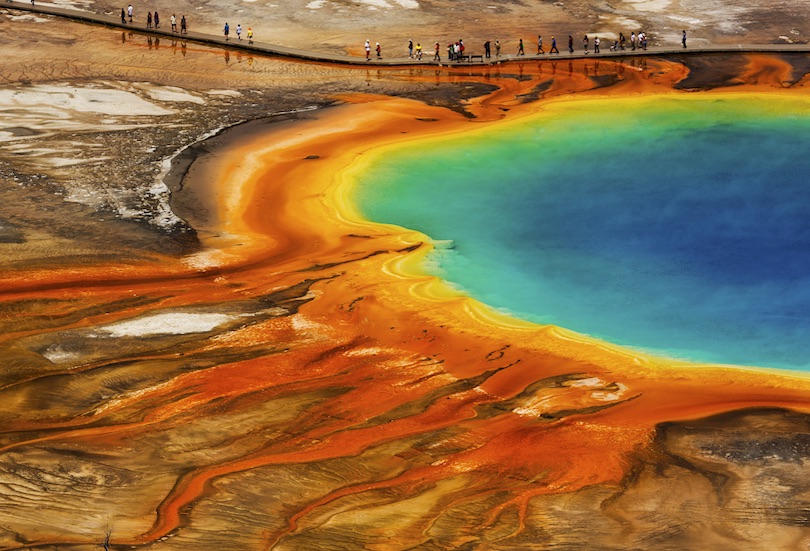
x=114, y=21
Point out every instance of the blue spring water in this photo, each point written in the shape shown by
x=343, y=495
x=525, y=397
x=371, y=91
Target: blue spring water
x=675, y=226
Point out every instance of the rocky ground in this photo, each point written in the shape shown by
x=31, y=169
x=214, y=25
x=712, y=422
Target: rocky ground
x=342, y=26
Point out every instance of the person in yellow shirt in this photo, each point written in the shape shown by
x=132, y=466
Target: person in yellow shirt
x=250, y=35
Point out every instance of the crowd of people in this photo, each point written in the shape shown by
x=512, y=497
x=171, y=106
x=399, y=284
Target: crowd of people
x=456, y=51
x=227, y=32
x=153, y=20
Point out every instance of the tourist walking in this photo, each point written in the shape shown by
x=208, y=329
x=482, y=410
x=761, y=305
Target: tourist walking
x=250, y=35
x=226, y=30
x=596, y=45
x=487, y=49
x=570, y=44
x=410, y=48
x=173, y=21
x=622, y=41
x=379, y=51
x=540, y=45
x=419, y=51
x=633, y=40
x=497, y=48
x=436, y=56
x=239, y=31
x=157, y=20
x=129, y=12
x=149, y=20
x=585, y=43
x=183, y=28
x=367, y=47
x=123, y=16
x=683, y=39
x=520, y=48
x=553, y=49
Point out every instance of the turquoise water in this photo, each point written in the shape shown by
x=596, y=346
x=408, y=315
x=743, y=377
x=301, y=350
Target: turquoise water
x=680, y=227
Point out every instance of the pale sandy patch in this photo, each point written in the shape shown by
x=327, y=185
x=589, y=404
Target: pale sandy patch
x=59, y=162
x=376, y=3
x=226, y=93
x=168, y=93
x=174, y=323
x=68, y=4
x=27, y=17
x=653, y=6
x=58, y=101
x=591, y=382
